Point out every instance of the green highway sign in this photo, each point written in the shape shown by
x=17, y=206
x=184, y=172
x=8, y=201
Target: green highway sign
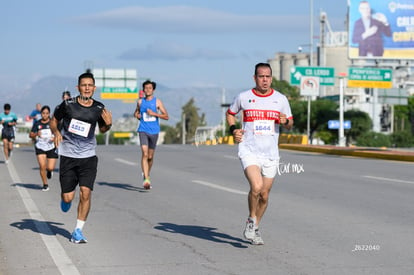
x=326, y=74
x=370, y=78
x=118, y=90
x=119, y=93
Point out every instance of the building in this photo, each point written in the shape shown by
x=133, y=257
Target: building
x=332, y=51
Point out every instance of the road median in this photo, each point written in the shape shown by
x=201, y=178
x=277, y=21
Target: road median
x=365, y=152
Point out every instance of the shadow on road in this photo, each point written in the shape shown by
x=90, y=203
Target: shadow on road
x=56, y=170
x=202, y=232
x=29, y=185
x=123, y=186
x=43, y=227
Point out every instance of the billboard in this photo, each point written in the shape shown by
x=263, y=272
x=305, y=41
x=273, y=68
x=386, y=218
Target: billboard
x=381, y=29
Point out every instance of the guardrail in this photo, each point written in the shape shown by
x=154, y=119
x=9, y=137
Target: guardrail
x=283, y=139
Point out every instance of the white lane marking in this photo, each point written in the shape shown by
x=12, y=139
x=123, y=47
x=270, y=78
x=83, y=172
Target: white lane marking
x=388, y=179
x=126, y=162
x=56, y=251
x=216, y=186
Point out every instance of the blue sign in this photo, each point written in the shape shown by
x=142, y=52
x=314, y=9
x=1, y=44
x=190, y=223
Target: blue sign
x=334, y=124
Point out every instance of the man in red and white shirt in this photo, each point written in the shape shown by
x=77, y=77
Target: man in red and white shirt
x=264, y=110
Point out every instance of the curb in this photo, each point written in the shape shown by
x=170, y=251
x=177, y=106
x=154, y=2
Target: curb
x=363, y=152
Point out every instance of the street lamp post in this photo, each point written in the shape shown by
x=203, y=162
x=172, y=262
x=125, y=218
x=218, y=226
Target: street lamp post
x=311, y=34
x=341, y=135
x=310, y=64
x=223, y=109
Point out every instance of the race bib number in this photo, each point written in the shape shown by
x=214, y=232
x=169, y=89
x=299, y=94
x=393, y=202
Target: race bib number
x=79, y=127
x=148, y=118
x=46, y=133
x=264, y=127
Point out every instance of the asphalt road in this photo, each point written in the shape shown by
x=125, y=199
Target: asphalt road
x=327, y=215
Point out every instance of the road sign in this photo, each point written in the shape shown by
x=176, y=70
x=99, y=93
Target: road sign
x=123, y=135
x=116, y=83
x=326, y=74
x=370, y=78
x=309, y=86
x=119, y=93
x=334, y=124
x=393, y=96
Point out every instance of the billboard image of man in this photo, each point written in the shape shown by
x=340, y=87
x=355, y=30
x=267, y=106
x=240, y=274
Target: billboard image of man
x=369, y=30
x=381, y=29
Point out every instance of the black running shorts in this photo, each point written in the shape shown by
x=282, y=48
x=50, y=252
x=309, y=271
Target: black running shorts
x=7, y=133
x=51, y=154
x=74, y=171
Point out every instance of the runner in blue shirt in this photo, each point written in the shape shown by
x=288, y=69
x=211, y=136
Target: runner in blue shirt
x=9, y=120
x=149, y=110
x=36, y=115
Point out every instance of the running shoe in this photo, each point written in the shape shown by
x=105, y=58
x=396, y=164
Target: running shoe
x=257, y=239
x=65, y=206
x=77, y=236
x=147, y=184
x=45, y=187
x=49, y=174
x=249, y=232
x=6, y=161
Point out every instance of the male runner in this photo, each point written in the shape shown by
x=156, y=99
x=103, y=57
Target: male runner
x=149, y=110
x=76, y=145
x=264, y=111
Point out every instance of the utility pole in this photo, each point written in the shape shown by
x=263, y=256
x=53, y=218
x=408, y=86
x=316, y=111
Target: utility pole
x=341, y=136
x=310, y=64
x=223, y=109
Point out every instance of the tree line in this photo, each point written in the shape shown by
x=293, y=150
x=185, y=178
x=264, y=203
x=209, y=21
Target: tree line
x=322, y=110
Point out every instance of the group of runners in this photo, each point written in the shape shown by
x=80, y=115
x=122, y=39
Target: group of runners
x=70, y=134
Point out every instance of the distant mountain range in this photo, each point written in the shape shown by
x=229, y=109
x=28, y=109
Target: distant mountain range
x=48, y=91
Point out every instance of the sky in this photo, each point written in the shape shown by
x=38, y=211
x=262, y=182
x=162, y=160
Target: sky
x=210, y=43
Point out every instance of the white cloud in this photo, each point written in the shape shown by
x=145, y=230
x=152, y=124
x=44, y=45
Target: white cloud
x=186, y=19
x=173, y=51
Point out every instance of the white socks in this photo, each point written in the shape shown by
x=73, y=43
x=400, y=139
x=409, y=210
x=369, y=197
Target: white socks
x=80, y=224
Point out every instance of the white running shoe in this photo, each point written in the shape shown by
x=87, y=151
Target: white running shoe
x=257, y=240
x=249, y=232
